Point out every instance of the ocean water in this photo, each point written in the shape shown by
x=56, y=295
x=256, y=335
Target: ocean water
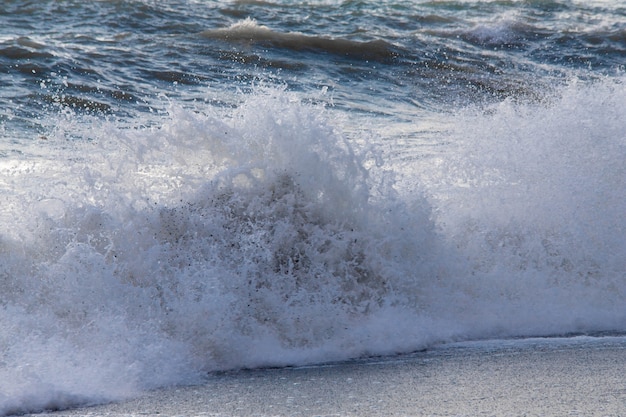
x=190, y=186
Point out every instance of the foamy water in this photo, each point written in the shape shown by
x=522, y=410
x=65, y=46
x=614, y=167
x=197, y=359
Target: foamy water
x=148, y=240
x=263, y=237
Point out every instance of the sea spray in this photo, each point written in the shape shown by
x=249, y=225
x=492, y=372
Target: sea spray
x=139, y=257
x=532, y=197
x=211, y=242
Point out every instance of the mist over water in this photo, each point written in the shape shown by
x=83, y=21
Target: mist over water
x=260, y=187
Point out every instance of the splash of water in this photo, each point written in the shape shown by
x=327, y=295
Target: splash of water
x=262, y=236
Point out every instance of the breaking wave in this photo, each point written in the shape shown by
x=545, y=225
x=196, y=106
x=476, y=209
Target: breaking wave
x=133, y=258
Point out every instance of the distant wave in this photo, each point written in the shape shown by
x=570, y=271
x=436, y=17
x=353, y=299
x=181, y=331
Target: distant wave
x=23, y=48
x=250, y=32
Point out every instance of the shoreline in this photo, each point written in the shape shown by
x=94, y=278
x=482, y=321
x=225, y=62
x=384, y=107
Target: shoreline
x=580, y=376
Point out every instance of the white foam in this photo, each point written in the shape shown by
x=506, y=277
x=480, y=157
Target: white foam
x=262, y=236
x=532, y=197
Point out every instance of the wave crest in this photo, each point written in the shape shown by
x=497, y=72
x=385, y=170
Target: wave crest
x=249, y=32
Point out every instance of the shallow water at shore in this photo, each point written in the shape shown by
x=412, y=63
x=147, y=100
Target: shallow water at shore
x=578, y=376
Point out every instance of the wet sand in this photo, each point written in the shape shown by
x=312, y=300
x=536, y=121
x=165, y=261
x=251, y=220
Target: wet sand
x=581, y=376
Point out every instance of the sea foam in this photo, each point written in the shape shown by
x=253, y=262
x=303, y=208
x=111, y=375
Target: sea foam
x=133, y=258
x=213, y=241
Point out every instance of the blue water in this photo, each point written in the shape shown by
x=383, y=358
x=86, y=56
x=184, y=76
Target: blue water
x=190, y=186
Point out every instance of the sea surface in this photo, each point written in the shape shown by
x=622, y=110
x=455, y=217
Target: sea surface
x=191, y=186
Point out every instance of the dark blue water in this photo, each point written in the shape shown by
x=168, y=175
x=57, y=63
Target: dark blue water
x=118, y=58
x=190, y=186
